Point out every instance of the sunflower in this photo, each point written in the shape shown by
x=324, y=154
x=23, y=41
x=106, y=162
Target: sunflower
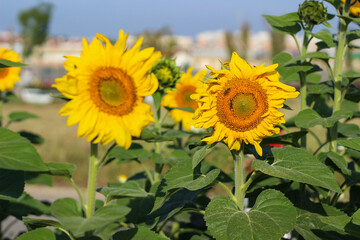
x=106, y=86
x=180, y=97
x=354, y=7
x=241, y=103
x=9, y=75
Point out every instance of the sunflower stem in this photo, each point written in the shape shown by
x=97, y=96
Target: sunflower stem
x=239, y=176
x=2, y=96
x=92, y=179
x=338, y=63
x=158, y=167
x=303, y=91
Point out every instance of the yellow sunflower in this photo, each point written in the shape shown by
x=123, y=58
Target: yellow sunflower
x=354, y=7
x=9, y=75
x=180, y=97
x=107, y=85
x=241, y=103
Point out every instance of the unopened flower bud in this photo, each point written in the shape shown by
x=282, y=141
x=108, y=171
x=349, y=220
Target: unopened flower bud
x=166, y=72
x=312, y=13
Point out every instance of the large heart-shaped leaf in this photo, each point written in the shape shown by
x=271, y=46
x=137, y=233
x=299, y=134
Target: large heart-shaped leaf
x=309, y=118
x=298, y=165
x=272, y=216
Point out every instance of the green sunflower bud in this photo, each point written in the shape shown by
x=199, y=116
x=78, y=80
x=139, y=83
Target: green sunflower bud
x=166, y=72
x=312, y=13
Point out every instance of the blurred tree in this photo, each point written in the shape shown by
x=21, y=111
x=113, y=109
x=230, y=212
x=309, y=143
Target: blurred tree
x=229, y=41
x=277, y=42
x=244, y=38
x=162, y=39
x=35, y=24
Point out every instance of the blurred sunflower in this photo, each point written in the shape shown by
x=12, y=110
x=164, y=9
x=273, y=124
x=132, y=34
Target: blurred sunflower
x=9, y=75
x=241, y=103
x=107, y=85
x=180, y=97
x=354, y=7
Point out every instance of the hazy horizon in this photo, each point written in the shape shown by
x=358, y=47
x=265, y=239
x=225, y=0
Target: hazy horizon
x=187, y=18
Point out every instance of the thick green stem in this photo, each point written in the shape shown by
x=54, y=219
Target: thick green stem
x=239, y=176
x=303, y=92
x=92, y=179
x=338, y=66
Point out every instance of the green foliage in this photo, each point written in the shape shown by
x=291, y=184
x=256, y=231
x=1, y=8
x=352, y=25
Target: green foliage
x=271, y=217
x=6, y=63
x=298, y=165
x=35, y=23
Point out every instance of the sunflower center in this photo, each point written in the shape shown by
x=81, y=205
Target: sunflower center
x=183, y=97
x=3, y=72
x=241, y=104
x=112, y=91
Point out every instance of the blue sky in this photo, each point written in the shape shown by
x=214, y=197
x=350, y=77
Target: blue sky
x=185, y=17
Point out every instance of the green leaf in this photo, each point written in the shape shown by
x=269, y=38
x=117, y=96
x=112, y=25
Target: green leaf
x=311, y=55
x=340, y=162
x=182, y=176
x=61, y=169
x=68, y=212
x=128, y=189
x=356, y=217
x=282, y=58
x=287, y=139
x=138, y=233
x=20, y=116
x=326, y=36
x=135, y=152
x=152, y=136
x=309, y=118
x=201, y=153
x=17, y=153
x=284, y=24
x=37, y=234
x=186, y=109
x=349, y=130
x=298, y=165
x=33, y=138
x=316, y=227
x=25, y=205
x=157, y=100
x=352, y=35
x=34, y=223
x=6, y=63
x=350, y=143
x=11, y=184
x=38, y=178
x=320, y=88
x=271, y=217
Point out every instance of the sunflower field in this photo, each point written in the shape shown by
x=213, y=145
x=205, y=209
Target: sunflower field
x=281, y=185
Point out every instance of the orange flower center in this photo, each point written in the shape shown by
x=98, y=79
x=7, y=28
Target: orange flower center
x=4, y=72
x=241, y=104
x=112, y=91
x=183, y=97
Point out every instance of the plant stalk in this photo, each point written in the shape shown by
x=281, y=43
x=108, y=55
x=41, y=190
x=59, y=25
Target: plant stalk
x=338, y=66
x=92, y=179
x=239, y=176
